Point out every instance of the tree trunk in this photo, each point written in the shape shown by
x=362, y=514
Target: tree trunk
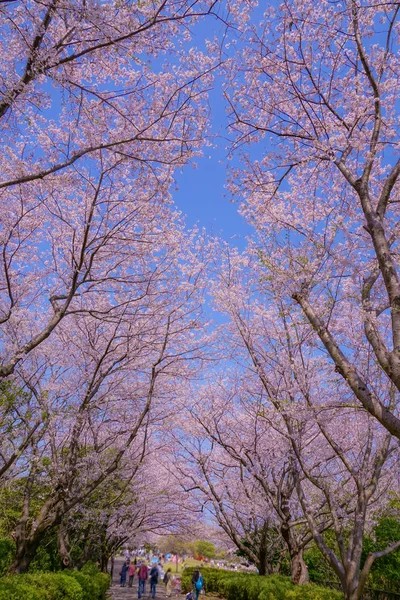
x=351, y=594
x=104, y=562
x=261, y=568
x=112, y=566
x=351, y=588
x=299, y=568
x=25, y=552
x=262, y=559
x=64, y=547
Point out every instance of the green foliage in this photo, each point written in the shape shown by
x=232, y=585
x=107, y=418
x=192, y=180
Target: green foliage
x=66, y=585
x=176, y=545
x=7, y=549
x=248, y=586
x=318, y=568
x=11, y=589
x=57, y=585
x=92, y=585
x=10, y=396
x=204, y=548
x=385, y=572
x=10, y=502
x=90, y=568
x=47, y=557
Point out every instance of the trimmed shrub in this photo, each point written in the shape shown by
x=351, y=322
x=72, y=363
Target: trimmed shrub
x=7, y=550
x=248, y=586
x=93, y=586
x=58, y=585
x=13, y=589
x=66, y=585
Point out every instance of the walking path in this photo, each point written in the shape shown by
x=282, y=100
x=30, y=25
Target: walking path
x=117, y=592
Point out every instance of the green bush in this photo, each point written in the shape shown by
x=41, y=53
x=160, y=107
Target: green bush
x=248, y=586
x=7, y=550
x=93, y=586
x=385, y=572
x=66, y=585
x=14, y=588
x=57, y=585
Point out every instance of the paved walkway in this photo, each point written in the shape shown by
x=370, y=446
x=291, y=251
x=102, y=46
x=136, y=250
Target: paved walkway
x=117, y=592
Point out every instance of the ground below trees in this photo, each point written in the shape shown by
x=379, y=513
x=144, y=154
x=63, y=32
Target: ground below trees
x=126, y=593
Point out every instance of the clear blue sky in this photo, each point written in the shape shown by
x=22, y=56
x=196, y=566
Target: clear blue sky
x=202, y=197
x=201, y=193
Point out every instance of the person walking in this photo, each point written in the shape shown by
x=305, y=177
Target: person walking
x=153, y=580
x=123, y=572
x=131, y=573
x=197, y=581
x=143, y=574
x=168, y=583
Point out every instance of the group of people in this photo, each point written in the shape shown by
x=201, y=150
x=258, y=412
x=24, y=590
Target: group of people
x=144, y=573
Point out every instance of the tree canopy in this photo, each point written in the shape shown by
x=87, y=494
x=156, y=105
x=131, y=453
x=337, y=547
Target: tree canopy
x=156, y=381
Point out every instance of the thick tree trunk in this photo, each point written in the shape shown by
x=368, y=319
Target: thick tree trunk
x=299, y=568
x=262, y=560
x=25, y=553
x=351, y=594
x=351, y=588
x=104, y=558
x=261, y=568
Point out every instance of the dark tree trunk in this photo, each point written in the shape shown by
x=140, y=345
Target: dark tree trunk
x=25, y=552
x=262, y=570
x=104, y=562
x=112, y=566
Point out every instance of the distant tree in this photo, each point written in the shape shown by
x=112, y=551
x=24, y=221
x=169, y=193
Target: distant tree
x=204, y=548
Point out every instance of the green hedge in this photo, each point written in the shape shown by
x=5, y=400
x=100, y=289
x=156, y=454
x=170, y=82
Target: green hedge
x=7, y=551
x=65, y=585
x=248, y=586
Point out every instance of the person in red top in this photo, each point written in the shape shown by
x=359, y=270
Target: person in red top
x=131, y=572
x=143, y=574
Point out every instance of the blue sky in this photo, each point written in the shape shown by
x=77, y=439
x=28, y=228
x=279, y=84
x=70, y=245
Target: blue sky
x=202, y=197
x=201, y=193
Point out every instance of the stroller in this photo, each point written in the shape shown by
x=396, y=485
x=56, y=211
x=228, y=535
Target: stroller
x=189, y=596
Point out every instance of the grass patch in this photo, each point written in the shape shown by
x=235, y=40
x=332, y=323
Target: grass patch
x=189, y=563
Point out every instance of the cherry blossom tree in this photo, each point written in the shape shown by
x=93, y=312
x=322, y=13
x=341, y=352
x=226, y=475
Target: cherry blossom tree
x=344, y=460
x=233, y=499
x=315, y=87
x=104, y=381
x=20, y=428
x=130, y=506
x=99, y=104
x=243, y=469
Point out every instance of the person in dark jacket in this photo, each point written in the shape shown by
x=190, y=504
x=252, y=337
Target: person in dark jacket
x=197, y=582
x=123, y=573
x=153, y=580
